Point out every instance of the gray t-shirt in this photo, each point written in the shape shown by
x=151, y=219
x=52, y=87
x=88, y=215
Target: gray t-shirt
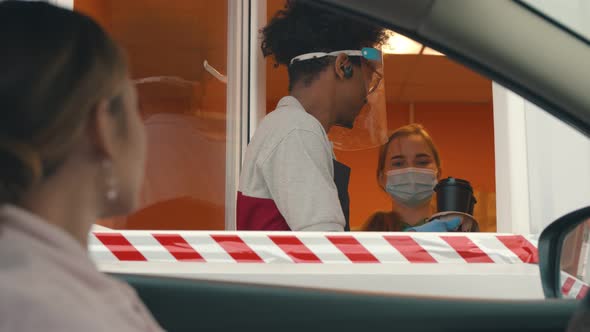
x=290, y=161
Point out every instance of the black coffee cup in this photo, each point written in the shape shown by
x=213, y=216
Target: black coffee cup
x=454, y=194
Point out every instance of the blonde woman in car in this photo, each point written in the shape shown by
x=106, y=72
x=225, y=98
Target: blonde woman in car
x=72, y=150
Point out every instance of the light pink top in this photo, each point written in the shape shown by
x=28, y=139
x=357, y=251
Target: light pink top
x=48, y=283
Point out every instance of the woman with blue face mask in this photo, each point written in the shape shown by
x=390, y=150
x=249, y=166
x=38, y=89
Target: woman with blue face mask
x=408, y=170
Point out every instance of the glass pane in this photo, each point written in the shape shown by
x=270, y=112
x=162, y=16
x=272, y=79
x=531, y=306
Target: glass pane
x=182, y=105
x=454, y=105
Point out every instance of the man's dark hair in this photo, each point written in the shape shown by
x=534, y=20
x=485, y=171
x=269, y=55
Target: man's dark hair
x=302, y=28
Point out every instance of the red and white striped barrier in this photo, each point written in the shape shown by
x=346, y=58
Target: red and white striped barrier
x=572, y=287
x=319, y=248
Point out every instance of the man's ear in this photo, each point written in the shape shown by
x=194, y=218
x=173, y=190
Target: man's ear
x=102, y=130
x=341, y=65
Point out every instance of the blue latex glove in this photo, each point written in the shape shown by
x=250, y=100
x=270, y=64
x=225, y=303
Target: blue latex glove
x=437, y=225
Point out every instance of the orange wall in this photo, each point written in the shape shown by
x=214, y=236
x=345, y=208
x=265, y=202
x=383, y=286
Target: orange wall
x=465, y=135
x=99, y=10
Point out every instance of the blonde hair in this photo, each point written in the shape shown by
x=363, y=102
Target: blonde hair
x=56, y=66
x=405, y=131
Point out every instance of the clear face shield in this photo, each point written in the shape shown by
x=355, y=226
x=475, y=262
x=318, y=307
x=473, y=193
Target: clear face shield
x=370, y=126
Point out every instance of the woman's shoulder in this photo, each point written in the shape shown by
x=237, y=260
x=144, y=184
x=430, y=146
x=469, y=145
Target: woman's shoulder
x=382, y=221
x=380, y=214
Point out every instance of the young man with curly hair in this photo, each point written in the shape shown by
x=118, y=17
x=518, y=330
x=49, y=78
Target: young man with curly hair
x=290, y=179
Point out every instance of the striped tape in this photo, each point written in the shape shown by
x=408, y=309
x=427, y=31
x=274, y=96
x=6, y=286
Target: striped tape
x=315, y=248
x=572, y=287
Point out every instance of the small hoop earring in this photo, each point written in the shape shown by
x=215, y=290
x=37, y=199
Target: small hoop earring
x=112, y=193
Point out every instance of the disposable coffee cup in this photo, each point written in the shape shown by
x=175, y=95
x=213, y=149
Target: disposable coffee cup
x=454, y=194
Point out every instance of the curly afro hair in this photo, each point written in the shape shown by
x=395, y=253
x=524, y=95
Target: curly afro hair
x=302, y=28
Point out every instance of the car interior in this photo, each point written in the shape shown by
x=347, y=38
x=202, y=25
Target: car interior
x=503, y=41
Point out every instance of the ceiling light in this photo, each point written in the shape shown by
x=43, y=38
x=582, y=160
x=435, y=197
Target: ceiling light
x=400, y=44
x=429, y=51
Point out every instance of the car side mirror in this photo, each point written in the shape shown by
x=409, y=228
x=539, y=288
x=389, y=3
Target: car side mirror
x=564, y=256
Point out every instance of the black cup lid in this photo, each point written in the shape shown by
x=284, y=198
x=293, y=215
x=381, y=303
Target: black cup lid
x=451, y=181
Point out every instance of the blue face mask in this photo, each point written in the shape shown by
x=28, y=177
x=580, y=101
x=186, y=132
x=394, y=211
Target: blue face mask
x=411, y=186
